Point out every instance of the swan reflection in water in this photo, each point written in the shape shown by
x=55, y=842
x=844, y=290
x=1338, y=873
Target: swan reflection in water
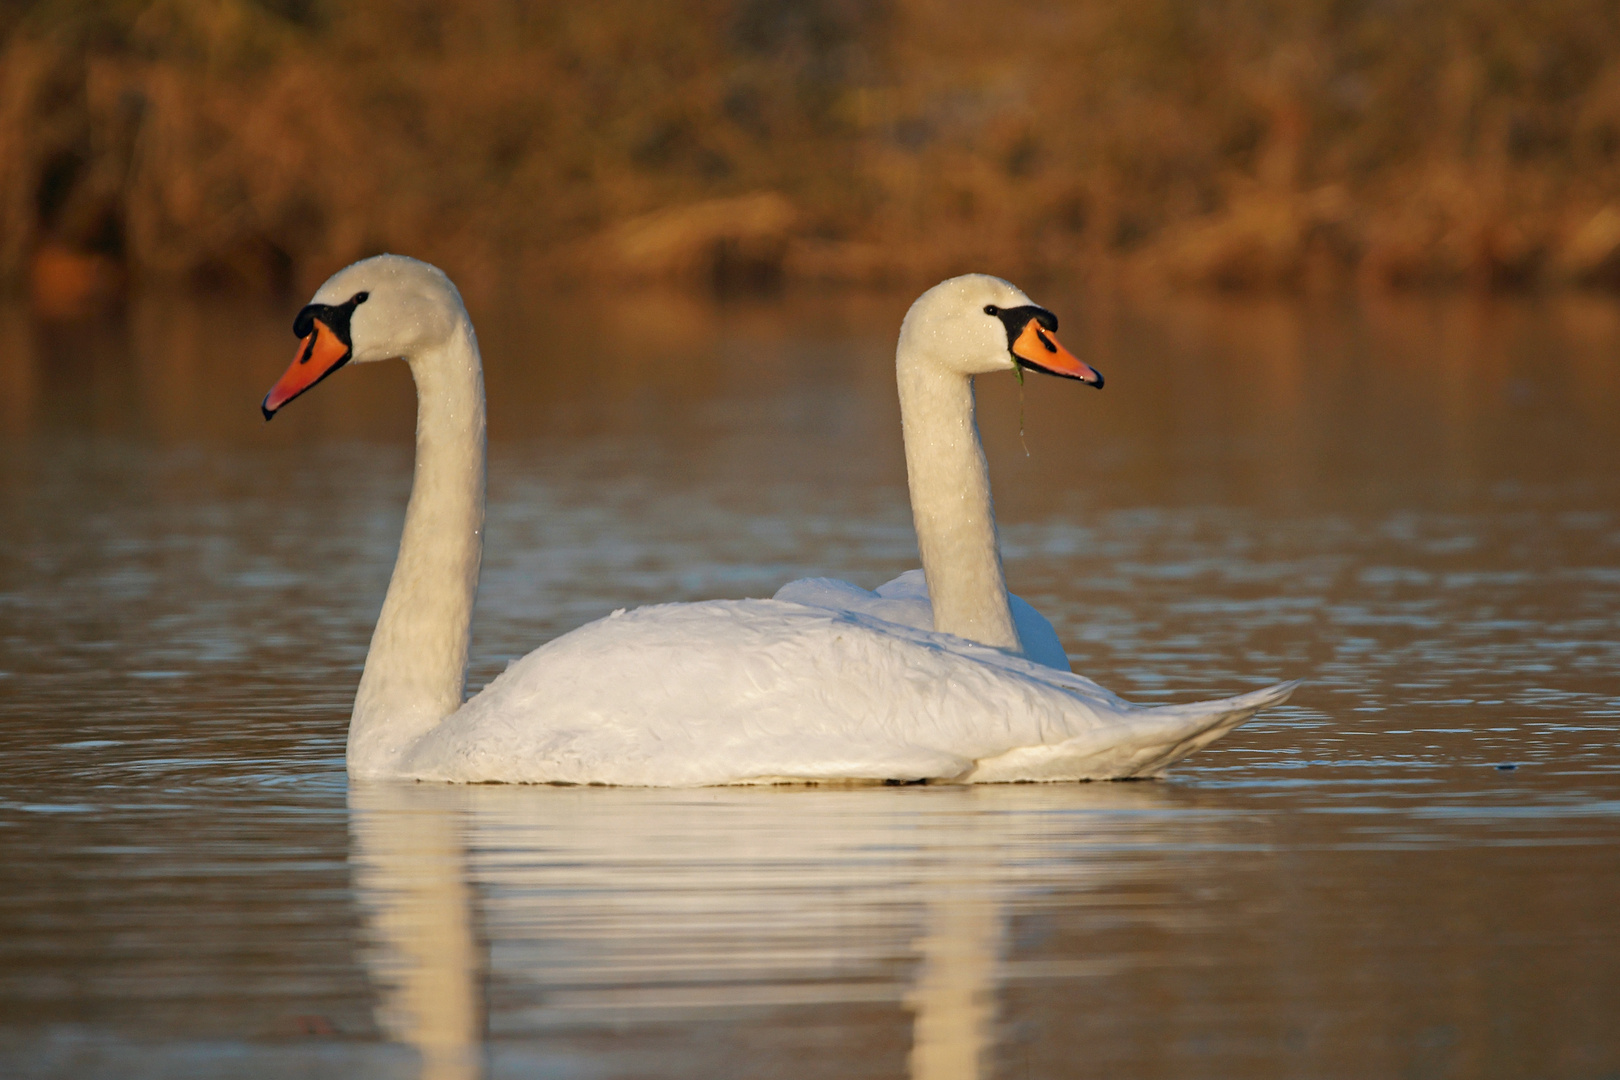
x=410, y=872
x=632, y=911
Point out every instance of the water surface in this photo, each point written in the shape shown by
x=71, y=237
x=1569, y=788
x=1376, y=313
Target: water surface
x=1410, y=870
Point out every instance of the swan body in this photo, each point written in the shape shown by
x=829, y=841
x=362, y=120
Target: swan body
x=821, y=688
x=939, y=675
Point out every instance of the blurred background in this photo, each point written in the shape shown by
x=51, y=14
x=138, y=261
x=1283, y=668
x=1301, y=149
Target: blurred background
x=257, y=145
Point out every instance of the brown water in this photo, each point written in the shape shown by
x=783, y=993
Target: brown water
x=1415, y=506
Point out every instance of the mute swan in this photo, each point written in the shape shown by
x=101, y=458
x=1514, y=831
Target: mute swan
x=824, y=682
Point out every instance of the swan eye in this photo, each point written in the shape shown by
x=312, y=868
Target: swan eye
x=360, y=298
x=991, y=309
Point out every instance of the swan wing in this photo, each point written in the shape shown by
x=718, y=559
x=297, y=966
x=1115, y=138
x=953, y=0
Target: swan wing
x=905, y=601
x=1040, y=641
x=750, y=691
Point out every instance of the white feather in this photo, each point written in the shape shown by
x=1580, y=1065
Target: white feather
x=825, y=682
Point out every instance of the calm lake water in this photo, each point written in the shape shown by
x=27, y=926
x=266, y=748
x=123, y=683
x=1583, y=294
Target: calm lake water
x=1410, y=871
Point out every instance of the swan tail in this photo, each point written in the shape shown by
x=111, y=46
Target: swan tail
x=1209, y=720
x=1142, y=745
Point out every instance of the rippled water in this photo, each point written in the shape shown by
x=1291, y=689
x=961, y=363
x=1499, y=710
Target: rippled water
x=1409, y=871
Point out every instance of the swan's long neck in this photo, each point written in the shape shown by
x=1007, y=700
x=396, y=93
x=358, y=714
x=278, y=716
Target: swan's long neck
x=416, y=670
x=950, y=502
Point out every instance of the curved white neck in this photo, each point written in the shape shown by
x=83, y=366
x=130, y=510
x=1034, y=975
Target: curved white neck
x=416, y=670
x=950, y=501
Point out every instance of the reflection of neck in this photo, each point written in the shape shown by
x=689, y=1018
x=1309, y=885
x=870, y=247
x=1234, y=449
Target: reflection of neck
x=411, y=878
x=417, y=667
x=954, y=997
x=950, y=502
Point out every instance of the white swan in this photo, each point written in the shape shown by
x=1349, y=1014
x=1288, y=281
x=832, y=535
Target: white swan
x=824, y=682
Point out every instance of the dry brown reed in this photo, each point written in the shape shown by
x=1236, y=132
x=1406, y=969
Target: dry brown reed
x=1254, y=144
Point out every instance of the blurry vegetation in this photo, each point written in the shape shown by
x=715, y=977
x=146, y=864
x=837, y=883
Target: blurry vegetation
x=1287, y=144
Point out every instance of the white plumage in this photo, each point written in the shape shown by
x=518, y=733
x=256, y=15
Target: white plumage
x=825, y=688
x=825, y=682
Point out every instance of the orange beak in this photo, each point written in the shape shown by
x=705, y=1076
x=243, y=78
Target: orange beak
x=1038, y=348
x=319, y=354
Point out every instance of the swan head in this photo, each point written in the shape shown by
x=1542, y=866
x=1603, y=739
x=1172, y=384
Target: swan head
x=379, y=308
x=976, y=324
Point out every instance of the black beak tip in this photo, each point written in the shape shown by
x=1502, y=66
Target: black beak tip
x=269, y=413
x=1099, y=383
